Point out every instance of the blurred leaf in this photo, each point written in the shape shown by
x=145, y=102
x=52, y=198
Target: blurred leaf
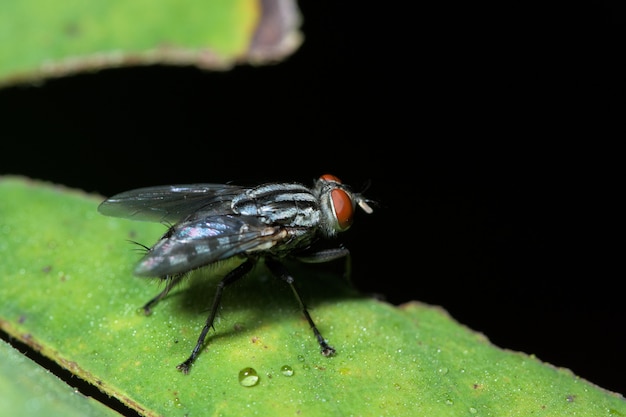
x=29, y=390
x=44, y=38
x=67, y=291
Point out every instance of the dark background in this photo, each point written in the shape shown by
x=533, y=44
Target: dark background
x=485, y=132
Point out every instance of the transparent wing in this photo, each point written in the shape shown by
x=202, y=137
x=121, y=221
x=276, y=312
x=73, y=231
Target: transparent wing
x=202, y=241
x=170, y=203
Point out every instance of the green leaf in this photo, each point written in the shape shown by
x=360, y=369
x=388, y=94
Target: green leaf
x=67, y=290
x=41, y=38
x=29, y=390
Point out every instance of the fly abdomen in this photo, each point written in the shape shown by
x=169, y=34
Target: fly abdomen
x=290, y=205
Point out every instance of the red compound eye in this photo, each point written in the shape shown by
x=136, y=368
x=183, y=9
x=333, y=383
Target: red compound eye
x=330, y=178
x=342, y=205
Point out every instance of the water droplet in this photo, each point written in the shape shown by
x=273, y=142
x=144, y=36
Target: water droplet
x=473, y=410
x=286, y=370
x=443, y=371
x=301, y=358
x=248, y=377
x=449, y=402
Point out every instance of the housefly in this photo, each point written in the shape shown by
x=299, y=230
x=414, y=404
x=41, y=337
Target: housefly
x=213, y=222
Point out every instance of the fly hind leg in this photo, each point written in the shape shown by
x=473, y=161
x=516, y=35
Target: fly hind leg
x=170, y=282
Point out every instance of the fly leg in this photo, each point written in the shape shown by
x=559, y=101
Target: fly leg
x=231, y=277
x=281, y=272
x=328, y=255
x=172, y=281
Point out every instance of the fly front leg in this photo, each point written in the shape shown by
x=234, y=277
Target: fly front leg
x=231, y=277
x=281, y=272
x=328, y=255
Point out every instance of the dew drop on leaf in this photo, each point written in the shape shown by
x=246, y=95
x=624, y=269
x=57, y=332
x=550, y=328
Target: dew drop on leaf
x=248, y=377
x=286, y=370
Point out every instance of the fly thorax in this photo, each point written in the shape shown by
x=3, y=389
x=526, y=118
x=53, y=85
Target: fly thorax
x=289, y=205
x=297, y=238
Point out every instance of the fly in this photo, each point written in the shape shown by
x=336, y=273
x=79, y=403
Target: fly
x=213, y=222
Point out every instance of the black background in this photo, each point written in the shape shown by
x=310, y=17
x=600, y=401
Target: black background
x=485, y=132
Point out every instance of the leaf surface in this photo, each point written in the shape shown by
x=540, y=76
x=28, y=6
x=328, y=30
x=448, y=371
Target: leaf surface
x=43, y=38
x=67, y=291
x=29, y=390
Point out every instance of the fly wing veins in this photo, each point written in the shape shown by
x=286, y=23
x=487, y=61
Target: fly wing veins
x=170, y=203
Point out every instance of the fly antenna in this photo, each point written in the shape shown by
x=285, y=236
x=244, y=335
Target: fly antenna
x=362, y=201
